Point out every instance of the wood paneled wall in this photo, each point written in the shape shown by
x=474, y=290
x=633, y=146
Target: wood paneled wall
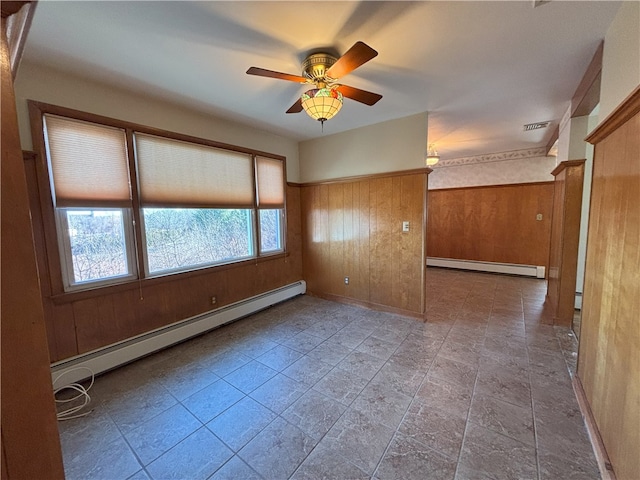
x=30, y=440
x=81, y=322
x=565, y=235
x=609, y=353
x=492, y=224
x=353, y=229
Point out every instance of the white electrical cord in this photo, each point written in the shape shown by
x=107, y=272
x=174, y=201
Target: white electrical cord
x=82, y=392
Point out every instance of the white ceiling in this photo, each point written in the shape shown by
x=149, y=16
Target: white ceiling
x=481, y=69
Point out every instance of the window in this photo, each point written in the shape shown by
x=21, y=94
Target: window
x=91, y=193
x=270, y=202
x=186, y=238
x=270, y=230
x=95, y=244
x=197, y=203
x=194, y=205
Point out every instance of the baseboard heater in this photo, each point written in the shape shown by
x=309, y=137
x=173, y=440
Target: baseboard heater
x=493, y=267
x=120, y=353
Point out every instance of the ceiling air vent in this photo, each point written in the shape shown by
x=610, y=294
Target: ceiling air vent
x=536, y=126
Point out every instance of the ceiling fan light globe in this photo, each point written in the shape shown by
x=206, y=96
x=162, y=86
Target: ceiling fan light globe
x=322, y=103
x=432, y=160
x=432, y=156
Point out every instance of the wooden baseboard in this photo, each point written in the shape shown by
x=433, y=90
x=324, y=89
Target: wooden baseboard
x=604, y=464
x=370, y=305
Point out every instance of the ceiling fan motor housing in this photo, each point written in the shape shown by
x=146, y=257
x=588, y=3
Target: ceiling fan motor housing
x=315, y=66
x=323, y=71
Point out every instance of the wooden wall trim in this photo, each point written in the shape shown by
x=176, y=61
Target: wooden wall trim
x=566, y=164
x=501, y=185
x=608, y=356
x=3, y=462
x=43, y=211
x=30, y=438
x=564, y=240
x=425, y=227
x=624, y=112
x=604, y=464
x=30, y=160
x=141, y=284
x=359, y=178
x=29, y=155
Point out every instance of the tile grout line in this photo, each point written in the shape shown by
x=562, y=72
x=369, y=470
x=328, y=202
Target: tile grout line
x=466, y=425
x=474, y=289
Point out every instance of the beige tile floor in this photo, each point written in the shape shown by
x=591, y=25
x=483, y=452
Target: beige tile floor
x=311, y=389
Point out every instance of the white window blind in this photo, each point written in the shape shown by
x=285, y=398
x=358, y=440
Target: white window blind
x=172, y=173
x=88, y=163
x=270, y=182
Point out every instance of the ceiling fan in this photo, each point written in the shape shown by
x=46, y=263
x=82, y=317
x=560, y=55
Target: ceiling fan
x=323, y=71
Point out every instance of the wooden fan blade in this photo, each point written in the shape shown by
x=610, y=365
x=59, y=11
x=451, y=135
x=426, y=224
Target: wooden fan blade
x=357, y=55
x=261, y=72
x=362, y=96
x=296, y=107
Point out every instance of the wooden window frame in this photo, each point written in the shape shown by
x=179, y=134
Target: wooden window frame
x=53, y=245
x=64, y=246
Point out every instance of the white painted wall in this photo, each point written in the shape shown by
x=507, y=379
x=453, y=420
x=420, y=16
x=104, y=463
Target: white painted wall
x=521, y=170
x=578, y=148
x=564, y=135
x=35, y=82
x=571, y=143
x=389, y=146
x=621, y=58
